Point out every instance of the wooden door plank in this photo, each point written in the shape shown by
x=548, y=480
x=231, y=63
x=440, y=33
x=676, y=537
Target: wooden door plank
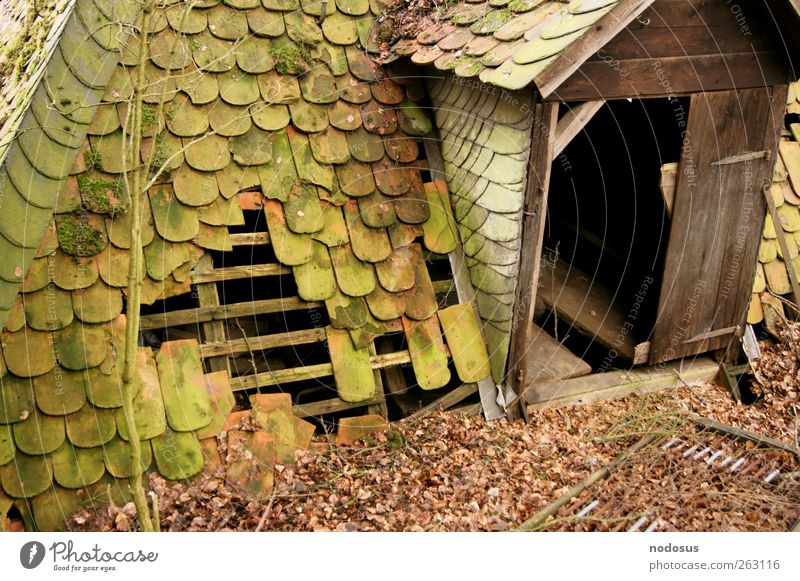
x=543, y=133
x=717, y=220
x=548, y=360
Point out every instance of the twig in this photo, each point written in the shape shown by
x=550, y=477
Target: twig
x=537, y=520
x=267, y=511
x=760, y=439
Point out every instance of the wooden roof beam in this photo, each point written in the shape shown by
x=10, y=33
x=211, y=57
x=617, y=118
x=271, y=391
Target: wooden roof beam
x=588, y=44
x=573, y=123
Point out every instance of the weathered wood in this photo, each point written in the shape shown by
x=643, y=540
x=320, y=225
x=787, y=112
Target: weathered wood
x=543, y=133
x=540, y=518
x=268, y=378
x=573, y=122
x=263, y=342
x=238, y=272
x=213, y=331
x=759, y=439
x=462, y=282
x=717, y=220
x=781, y=235
x=249, y=239
x=245, y=309
x=616, y=384
x=331, y=406
x=379, y=407
x=393, y=379
x=548, y=360
x=445, y=402
x=590, y=42
x=674, y=76
x=669, y=175
x=588, y=306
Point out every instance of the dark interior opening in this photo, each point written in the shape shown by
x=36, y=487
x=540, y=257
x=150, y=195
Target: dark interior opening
x=606, y=213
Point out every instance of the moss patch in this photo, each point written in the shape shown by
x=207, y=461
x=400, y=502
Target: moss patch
x=290, y=58
x=91, y=159
x=78, y=238
x=103, y=196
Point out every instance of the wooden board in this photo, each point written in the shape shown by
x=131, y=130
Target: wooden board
x=717, y=219
x=588, y=306
x=545, y=117
x=617, y=384
x=677, y=47
x=548, y=360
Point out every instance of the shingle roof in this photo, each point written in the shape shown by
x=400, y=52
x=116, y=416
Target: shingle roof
x=264, y=99
x=507, y=43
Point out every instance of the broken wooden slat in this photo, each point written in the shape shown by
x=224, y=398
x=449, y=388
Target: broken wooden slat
x=238, y=272
x=571, y=124
x=445, y=402
x=249, y=239
x=262, y=342
x=208, y=296
x=330, y=406
x=615, y=384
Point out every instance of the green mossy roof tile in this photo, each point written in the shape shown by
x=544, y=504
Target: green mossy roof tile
x=238, y=88
x=378, y=118
x=397, y=273
x=7, y=448
x=148, y=403
x=222, y=212
x=37, y=189
x=52, y=508
x=60, y=392
x=302, y=28
x=103, y=391
x=355, y=278
x=428, y=355
x=355, y=178
x=346, y=312
x=57, y=127
x=377, y=211
x=364, y=146
x=48, y=309
x=212, y=54
x=227, y=23
x=334, y=229
x=282, y=5
x=352, y=89
x=118, y=460
x=17, y=397
x=330, y=146
x=118, y=230
x=80, y=346
x=252, y=148
x=234, y=179
x=99, y=303
x=91, y=427
x=440, y=231
x=178, y=455
x=28, y=353
x=207, y=153
x=386, y=306
x=180, y=372
x=253, y=55
x=201, y=87
x=355, y=380
x=220, y=395
x=308, y=168
x=174, y=221
x=77, y=467
x=169, y=50
x=265, y=23
x=68, y=94
x=14, y=322
x=465, y=340
x=421, y=300
x=270, y=117
x=290, y=249
x=315, y=279
x=187, y=18
x=340, y=29
x=308, y=117
x=345, y=116
x=185, y=119
x=302, y=209
x=39, y=434
x=26, y=476
x=362, y=67
x=369, y=244
x=163, y=257
x=318, y=86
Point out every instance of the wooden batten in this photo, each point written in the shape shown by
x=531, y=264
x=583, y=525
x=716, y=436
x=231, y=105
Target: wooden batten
x=573, y=122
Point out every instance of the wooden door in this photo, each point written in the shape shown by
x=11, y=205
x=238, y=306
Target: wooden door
x=729, y=150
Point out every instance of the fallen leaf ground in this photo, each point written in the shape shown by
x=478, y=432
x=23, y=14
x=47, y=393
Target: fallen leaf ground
x=452, y=472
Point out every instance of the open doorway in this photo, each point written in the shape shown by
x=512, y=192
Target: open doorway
x=607, y=231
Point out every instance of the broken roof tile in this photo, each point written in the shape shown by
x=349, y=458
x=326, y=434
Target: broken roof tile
x=346, y=312
x=465, y=340
x=180, y=373
x=290, y=249
x=428, y=355
x=421, y=299
x=178, y=455
x=397, y=273
x=369, y=244
x=355, y=278
x=148, y=403
x=302, y=209
x=315, y=279
x=355, y=380
x=334, y=229
x=173, y=220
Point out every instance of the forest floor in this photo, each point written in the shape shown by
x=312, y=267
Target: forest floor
x=454, y=472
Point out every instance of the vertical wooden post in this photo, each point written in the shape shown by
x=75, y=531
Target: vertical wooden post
x=207, y=296
x=543, y=133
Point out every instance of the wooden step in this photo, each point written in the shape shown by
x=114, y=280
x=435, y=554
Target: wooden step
x=589, y=307
x=548, y=360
